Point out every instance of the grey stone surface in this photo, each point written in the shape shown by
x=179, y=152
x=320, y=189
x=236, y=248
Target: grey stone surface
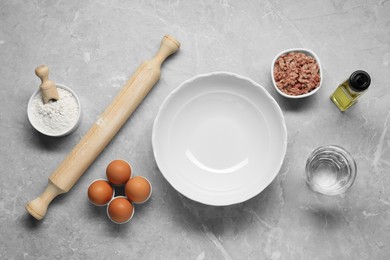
x=93, y=46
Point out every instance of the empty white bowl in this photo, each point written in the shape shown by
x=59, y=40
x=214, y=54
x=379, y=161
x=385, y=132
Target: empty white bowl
x=219, y=138
x=65, y=132
x=308, y=53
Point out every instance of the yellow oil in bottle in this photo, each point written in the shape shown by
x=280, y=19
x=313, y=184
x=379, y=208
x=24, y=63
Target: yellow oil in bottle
x=344, y=97
x=350, y=90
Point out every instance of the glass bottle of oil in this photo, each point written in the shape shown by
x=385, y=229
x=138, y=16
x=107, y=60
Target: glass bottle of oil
x=348, y=92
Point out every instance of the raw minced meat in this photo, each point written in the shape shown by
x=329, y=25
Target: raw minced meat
x=296, y=73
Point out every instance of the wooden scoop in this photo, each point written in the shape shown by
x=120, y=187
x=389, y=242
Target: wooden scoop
x=48, y=88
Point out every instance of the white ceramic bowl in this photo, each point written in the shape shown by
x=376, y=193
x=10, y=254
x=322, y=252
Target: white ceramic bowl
x=66, y=131
x=219, y=138
x=307, y=52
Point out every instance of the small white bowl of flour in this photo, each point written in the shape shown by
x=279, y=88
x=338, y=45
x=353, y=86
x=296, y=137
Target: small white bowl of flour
x=56, y=118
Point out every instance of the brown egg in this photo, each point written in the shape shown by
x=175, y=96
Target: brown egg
x=100, y=192
x=138, y=189
x=118, y=172
x=120, y=210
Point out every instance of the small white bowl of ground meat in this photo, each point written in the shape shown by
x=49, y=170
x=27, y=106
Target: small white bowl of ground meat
x=296, y=73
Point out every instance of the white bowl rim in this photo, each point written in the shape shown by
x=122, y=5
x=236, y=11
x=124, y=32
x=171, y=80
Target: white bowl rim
x=205, y=75
x=64, y=133
x=303, y=50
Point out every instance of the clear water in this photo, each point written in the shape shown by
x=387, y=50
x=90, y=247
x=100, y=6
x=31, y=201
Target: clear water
x=330, y=171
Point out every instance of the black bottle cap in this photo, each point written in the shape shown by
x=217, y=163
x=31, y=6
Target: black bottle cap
x=359, y=80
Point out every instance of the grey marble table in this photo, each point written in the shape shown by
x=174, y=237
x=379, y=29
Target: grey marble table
x=94, y=46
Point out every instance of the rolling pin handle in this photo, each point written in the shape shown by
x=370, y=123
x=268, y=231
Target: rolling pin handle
x=169, y=45
x=38, y=207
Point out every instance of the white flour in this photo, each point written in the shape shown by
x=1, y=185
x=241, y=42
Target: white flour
x=55, y=117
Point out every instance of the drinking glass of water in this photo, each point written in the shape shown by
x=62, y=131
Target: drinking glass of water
x=330, y=170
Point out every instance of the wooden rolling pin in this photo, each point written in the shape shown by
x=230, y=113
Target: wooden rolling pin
x=105, y=128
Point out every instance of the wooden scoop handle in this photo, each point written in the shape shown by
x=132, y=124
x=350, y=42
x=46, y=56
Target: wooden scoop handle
x=48, y=88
